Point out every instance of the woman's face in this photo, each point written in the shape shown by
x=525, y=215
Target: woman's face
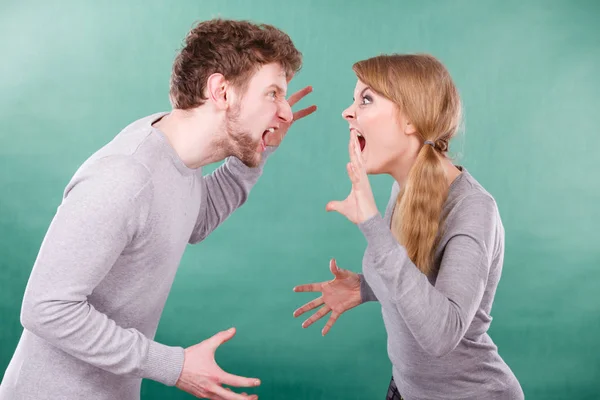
x=384, y=134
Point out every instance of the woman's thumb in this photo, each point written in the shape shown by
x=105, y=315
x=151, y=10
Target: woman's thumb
x=334, y=206
x=335, y=270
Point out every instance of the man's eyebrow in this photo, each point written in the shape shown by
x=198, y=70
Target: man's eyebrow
x=278, y=88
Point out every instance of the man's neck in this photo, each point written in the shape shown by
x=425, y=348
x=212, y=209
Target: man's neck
x=197, y=136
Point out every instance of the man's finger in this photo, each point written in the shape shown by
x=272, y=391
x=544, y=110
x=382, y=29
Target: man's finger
x=243, y=393
x=309, y=306
x=304, y=112
x=237, y=381
x=296, y=97
x=309, y=287
x=229, y=394
x=334, y=316
x=316, y=316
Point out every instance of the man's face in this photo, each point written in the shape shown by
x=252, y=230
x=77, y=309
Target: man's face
x=262, y=107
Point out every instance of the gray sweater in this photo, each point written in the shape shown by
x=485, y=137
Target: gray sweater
x=105, y=268
x=437, y=327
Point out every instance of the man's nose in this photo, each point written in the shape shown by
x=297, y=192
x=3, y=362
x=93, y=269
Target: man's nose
x=285, y=112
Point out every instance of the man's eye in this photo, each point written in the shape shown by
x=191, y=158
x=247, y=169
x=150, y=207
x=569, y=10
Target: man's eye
x=273, y=94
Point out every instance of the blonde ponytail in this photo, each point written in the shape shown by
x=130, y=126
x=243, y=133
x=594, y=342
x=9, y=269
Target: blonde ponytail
x=418, y=208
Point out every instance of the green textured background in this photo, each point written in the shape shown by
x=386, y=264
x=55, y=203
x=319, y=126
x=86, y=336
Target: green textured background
x=73, y=73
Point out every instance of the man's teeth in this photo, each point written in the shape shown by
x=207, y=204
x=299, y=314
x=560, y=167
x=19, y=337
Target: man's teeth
x=271, y=130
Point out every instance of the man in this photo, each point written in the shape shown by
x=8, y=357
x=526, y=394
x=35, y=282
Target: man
x=105, y=268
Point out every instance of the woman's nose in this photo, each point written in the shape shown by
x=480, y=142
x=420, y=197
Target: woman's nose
x=348, y=113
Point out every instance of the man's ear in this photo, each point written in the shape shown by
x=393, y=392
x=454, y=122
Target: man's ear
x=218, y=89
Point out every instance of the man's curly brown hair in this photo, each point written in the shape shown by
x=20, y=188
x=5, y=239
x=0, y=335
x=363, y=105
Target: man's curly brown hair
x=236, y=49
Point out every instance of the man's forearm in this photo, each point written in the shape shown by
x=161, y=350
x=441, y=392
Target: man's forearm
x=225, y=190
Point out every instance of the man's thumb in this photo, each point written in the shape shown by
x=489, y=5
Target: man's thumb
x=223, y=337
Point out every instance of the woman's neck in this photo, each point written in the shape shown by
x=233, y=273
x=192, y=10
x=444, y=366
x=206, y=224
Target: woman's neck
x=400, y=174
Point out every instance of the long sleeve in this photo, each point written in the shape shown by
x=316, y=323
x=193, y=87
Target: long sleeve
x=224, y=190
x=101, y=212
x=437, y=315
x=366, y=293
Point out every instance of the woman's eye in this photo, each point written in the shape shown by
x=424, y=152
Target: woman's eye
x=366, y=99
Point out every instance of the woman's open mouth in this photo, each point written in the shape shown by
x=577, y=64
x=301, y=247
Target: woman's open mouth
x=361, y=141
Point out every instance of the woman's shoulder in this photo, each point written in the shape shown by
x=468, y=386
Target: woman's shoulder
x=470, y=204
x=466, y=190
x=472, y=211
x=467, y=200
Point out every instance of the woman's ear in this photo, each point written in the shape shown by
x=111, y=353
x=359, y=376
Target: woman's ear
x=404, y=123
x=409, y=128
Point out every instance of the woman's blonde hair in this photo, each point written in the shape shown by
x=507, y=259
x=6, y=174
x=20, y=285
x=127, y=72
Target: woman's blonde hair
x=424, y=92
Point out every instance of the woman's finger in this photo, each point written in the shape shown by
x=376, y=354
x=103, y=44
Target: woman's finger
x=352, y=173
x=316, y=316
x=308, y=287
x=356, y=153
x=334, y=316
x=309, y=306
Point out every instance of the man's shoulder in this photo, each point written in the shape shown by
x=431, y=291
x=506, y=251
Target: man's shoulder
x=118, y=162
x=143, y=123
x=114, y=175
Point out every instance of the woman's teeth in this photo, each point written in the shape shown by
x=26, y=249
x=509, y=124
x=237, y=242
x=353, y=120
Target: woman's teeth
x=361, y=141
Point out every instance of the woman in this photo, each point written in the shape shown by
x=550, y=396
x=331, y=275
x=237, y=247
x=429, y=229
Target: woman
x=434, y=259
